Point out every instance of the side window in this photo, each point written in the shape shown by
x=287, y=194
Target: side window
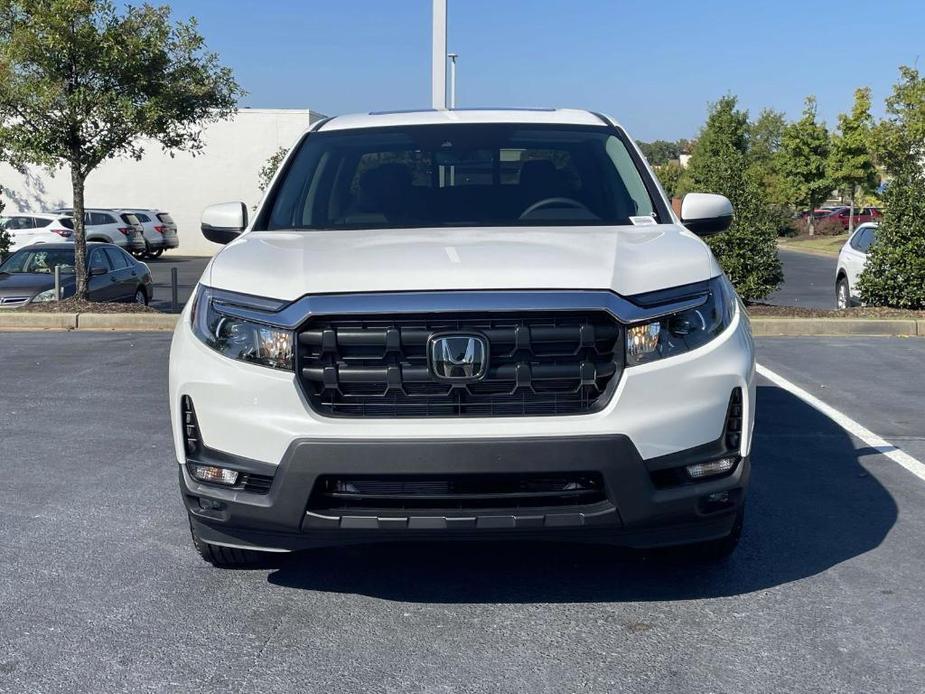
x=100, y=218
x=116, y=258
x=855, y=242
x=870, y=239
x=863, y=239
x=97, y=257
x=20, y=223
x=143, y=218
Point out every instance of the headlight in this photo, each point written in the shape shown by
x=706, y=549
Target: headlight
x=47, y=295
x=681, y=332
x=240, y=339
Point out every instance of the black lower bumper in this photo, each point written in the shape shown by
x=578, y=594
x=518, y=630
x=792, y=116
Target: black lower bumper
x=631, y=511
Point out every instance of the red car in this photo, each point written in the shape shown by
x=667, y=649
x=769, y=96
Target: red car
x=861, y=215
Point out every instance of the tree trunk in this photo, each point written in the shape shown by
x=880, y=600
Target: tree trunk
x=812, y=218
x=80, y=235
x=851, y=212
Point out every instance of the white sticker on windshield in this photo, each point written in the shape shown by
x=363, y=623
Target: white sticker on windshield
x=643, y=221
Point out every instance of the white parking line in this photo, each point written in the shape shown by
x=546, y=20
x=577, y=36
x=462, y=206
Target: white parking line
x=879, y=444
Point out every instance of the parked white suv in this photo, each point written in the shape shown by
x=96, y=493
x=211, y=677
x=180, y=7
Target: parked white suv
x=108, y=226
x=27, y=228
x=463, y=324
x=160, y=231
x=852, y=259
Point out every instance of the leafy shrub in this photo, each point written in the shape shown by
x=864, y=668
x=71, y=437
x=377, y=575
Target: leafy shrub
x=823, y=227
x=747, y=252
x=895, y=271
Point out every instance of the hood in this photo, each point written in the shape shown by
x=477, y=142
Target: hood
x=627, y=259
x=26, y=283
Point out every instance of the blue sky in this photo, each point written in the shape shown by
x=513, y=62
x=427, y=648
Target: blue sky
x=653, y=65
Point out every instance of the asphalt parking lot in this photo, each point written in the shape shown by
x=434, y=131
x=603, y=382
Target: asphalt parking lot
x=100, y=589
x=809, y=280
x=189, y=270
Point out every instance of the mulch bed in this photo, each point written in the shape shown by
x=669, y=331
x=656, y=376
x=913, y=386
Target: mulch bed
x=74, y=306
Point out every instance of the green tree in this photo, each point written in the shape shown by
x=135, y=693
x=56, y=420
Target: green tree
x=669, y=175
x=268, y=170
x=895, y=271
x=81, y=82
x=660, y=152
x=804, y=152
x=719, y=164
x=851, y=166
x=764, y=138
x=765, y=134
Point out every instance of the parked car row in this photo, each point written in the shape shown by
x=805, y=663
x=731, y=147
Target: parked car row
x=145, y=233
x=28, y=275
x=842, y=214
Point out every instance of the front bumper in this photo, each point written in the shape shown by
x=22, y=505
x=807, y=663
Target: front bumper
x=633, y=512
x=665, y=412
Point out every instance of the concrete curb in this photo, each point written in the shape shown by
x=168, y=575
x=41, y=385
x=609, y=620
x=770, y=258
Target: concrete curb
x=795, y=327
x=126, y=321
x=38, y=321
x=761, y=326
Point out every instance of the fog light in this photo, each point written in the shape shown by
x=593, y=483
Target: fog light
x=211, y=504
x=213, y=474
x=713, y=467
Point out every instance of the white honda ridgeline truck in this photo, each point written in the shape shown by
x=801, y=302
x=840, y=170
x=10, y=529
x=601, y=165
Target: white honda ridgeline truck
x=476, y=324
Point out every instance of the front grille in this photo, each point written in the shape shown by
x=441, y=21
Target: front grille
x=539, y=363
x=13, y=300
x=457, y=492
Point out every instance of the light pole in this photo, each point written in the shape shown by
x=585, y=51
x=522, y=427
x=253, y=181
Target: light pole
x=452, y=57
x=438, y=56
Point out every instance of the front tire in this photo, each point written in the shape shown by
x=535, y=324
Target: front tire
x=718, y=550
x=141, y=297
x=229, y=557
x=842, y=293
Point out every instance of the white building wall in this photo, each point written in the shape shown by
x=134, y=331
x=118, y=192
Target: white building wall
x=226, y=169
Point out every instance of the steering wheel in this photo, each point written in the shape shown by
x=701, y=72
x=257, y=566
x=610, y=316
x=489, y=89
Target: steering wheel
x=547, y=202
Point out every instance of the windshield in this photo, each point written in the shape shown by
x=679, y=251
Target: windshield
x=43, y=261
x=460, y=175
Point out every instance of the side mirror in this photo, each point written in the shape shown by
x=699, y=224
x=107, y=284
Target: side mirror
x=706, y=214
x=98, y=270
x=224, y=222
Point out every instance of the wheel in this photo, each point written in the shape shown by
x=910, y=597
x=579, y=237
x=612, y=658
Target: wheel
x=842, y=293
x=230, y=557
x=156, y=253
x=717, y=550
x=141, y=297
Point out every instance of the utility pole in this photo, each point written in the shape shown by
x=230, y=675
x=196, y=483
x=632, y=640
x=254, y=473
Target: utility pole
x=452, y=57
x=438, y=67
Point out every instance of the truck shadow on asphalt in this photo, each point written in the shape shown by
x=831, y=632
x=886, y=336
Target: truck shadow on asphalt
x=811, y=505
